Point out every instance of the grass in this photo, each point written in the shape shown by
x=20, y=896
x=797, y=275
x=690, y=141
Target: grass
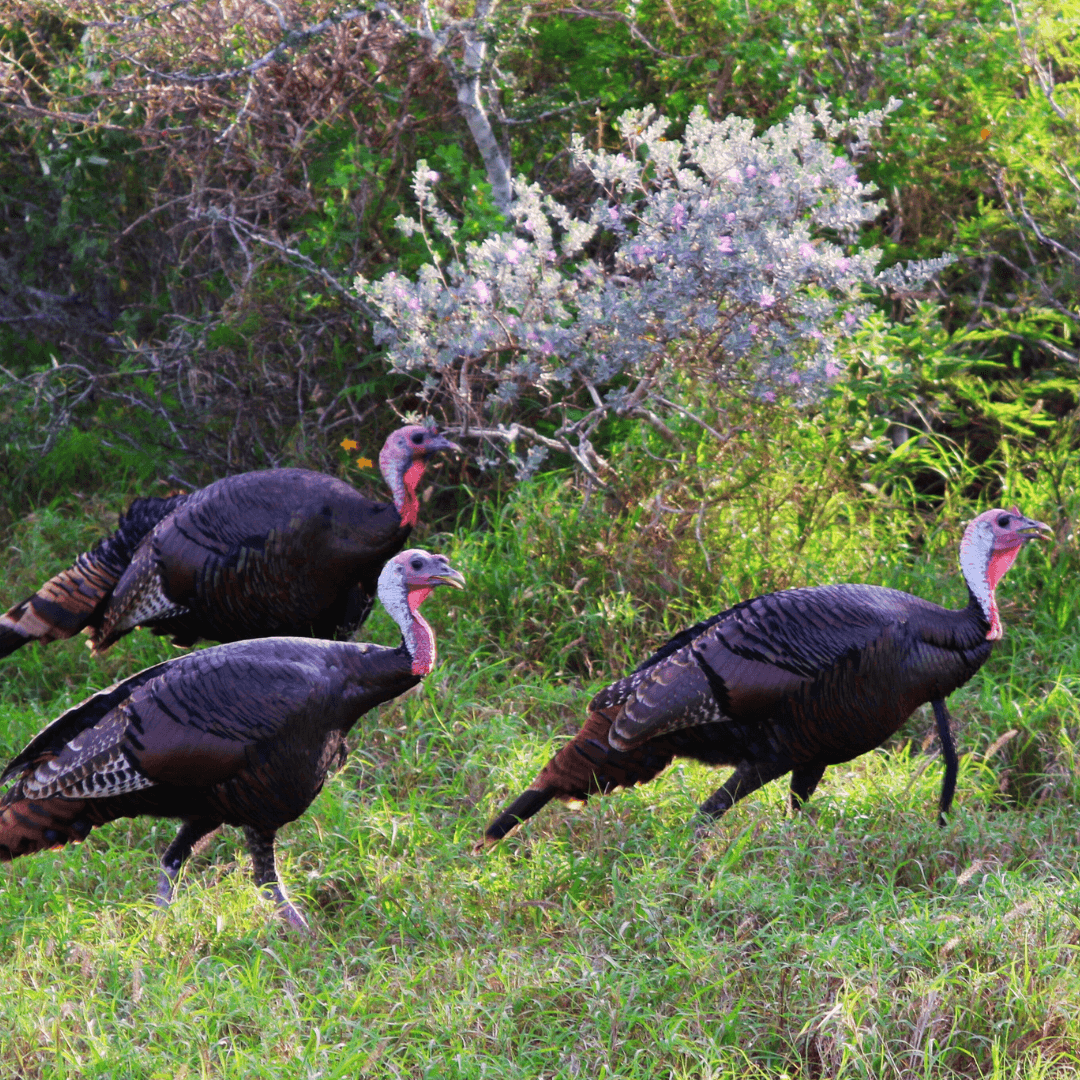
x=601, y=943
x=856, y=940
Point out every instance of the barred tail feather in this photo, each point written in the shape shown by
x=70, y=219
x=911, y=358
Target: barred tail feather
x=28, y=825
x=61, y=607
x=71, y=601
x=587, y=765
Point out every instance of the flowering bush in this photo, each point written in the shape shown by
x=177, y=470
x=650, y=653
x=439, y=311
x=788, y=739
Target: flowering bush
x=725, y=263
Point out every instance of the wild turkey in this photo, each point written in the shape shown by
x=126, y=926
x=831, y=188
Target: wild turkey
x=276, y=552
x=789, y=682
x=242, y=734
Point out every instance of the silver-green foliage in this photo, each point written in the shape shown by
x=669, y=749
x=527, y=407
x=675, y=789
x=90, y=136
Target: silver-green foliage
x=722, y=254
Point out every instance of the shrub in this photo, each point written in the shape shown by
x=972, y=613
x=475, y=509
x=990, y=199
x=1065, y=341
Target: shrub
x=708, y=264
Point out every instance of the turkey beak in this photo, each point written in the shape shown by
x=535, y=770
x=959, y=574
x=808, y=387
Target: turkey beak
x=1034, y=530
x=449, y=576
x=440, y=442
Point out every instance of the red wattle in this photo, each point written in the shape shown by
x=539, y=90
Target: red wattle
x=1000, y=561
x=417, y=596
x=410, y=508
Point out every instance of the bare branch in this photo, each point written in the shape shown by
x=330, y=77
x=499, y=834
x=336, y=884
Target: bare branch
x=467, y=79
x=293, y=40
x=1049, y=241
x=656, y=423
x=1049, y=346
x=354, y=300
x=692, y=416
x=1046, y=78
x=536, y=118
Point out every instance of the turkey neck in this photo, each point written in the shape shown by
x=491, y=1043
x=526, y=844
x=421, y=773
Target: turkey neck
x=404, y=608
x=403, y=484
x=983, y=568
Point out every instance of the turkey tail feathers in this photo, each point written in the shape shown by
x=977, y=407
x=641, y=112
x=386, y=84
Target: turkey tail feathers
x=521, y=809
x=71, y=600
x=587, y=765
x=61, y=607
x=27, y=825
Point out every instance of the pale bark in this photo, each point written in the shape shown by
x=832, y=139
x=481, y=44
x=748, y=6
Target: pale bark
x=467, y=75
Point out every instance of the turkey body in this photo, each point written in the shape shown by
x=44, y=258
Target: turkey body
x=281, y=552
x=793, y=681
x=240, y=734
x=277, y=552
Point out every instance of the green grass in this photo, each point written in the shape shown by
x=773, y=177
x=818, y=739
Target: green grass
x=857, y=940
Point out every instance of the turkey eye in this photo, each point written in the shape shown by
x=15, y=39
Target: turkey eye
x=1003, y=521
x=417, y=564
x=418, y=438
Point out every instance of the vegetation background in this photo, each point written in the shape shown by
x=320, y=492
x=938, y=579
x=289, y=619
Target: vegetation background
x=189, y=190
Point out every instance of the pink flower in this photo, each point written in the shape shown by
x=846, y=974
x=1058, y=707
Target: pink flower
x=832, y=370
x=839, y=163
x=730, y=216
x=726, y=246
x=794, y=378
x=483, y=293
x=751, y=170
x=852, y=181
x=613, y=213
x=774, y=179
x=769, y=395
x=678, y=216
x=734, y=176
x=843, y=264
x=768, y=298
x=849, y=319
x=806, y=250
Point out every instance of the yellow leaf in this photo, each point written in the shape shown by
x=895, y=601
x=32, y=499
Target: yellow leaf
x=364, y=463
x=984, y=134
x=349, y=444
